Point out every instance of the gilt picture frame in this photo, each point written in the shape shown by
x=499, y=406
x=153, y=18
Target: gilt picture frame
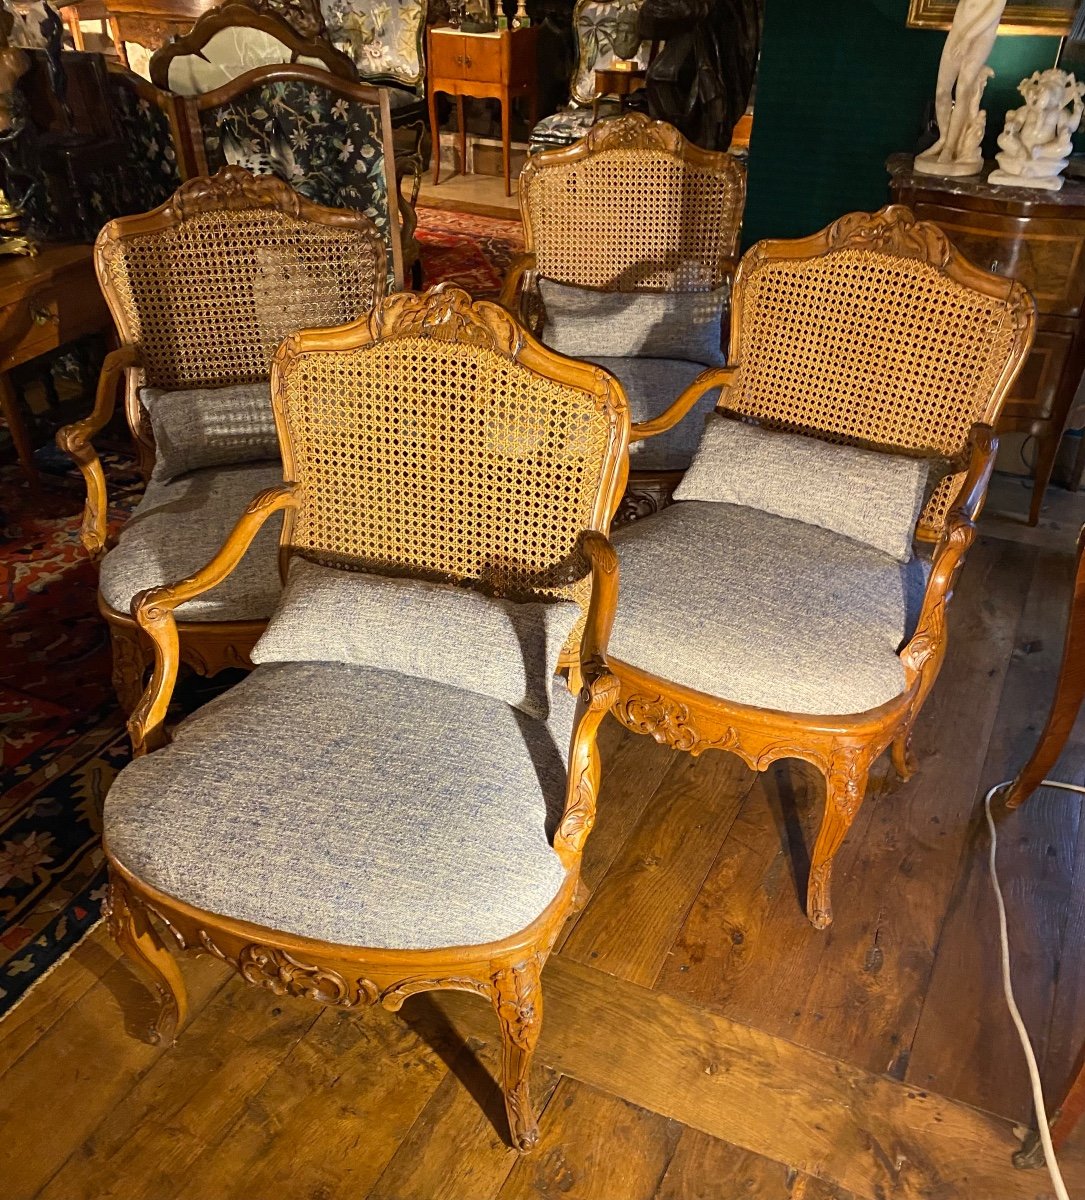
x=1050, y=17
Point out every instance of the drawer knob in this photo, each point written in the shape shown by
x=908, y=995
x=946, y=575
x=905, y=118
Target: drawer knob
x=41, y=315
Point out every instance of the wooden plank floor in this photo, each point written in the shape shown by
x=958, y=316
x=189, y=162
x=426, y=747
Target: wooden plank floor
x=701, y=1041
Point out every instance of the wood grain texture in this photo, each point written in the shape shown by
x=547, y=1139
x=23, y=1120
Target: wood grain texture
x=862, y=1132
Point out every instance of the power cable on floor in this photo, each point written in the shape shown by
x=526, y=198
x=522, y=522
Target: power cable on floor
x=1043, y=1126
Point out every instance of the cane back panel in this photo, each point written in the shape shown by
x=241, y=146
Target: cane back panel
x=633, y=206
x=876, y=333
x=434, y=451
x=209, y=296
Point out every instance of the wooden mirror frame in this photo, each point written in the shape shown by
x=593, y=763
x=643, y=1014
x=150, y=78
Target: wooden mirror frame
x=241, y=16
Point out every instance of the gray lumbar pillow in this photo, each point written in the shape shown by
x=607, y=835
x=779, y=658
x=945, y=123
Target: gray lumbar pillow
x=210, y=427
x=585, y=323
x=867, y=495
x=437, y=631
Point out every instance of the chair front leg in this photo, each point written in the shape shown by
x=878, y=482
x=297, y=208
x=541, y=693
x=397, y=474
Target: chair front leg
x=845, y=787
x=131, y=928
x=517, y=1000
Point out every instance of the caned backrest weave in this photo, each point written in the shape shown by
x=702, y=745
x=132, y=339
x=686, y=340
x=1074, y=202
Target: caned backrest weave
x=876, y=333
x=633, y=206
x=437, y=439
x=208, y=285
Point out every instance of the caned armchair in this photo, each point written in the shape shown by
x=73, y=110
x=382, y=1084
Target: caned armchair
x=353, y=834
x=202, y=291
x=754, y=619
x=632, y=208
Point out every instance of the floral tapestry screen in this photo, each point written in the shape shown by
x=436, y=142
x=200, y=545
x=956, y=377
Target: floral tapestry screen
x=328, y=147
x=606, y=30
x=383, y=37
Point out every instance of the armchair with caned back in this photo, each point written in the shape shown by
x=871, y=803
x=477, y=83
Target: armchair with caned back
x=632, y=208
x=784, y=615
x=346, y=824
x=202, y=290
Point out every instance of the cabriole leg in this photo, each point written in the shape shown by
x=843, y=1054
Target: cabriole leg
x=517, y=1000
x=903, y=758
x=845, y=786
x=138, y=940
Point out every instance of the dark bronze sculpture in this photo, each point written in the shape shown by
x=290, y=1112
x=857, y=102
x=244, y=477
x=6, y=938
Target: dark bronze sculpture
x=702, y=79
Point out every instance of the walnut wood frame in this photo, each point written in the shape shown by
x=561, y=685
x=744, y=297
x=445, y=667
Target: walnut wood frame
x=842, y=748
x=506, y=972
x=206, y=646
x=192, y=106
x=649, y=490
x=244, y=16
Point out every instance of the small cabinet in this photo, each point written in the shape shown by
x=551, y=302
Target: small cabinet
x=1036, y=237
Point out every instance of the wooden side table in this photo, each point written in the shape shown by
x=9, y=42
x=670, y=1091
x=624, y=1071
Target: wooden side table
x=1037, y=237
x=500, y=66
x=45, y=301
x=612, y=82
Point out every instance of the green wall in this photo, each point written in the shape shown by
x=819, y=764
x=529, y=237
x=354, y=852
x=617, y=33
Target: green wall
x=841, y=85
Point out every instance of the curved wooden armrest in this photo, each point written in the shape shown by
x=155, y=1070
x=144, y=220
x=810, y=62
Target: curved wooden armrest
x=153, y=611
x=74, y=440
x=708, y=379
x=514, y=280
x=958, y=534
x=599, y=691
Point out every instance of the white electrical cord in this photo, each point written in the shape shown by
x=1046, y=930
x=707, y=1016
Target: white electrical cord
x=1042, y=1124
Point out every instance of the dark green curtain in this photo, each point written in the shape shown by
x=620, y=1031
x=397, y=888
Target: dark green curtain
x=841, y=85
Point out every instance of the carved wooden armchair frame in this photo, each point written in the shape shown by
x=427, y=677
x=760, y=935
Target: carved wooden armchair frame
x=843, y=748
x=144, y=358
x=632, y=173
x=244, y=16
x=505, y=972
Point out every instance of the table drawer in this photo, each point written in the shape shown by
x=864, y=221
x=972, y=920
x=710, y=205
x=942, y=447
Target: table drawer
x=1036, y=390
x=49, y=316
x=1045, y=254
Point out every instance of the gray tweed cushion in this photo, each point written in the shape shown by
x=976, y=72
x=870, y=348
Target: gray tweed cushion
x=179, y=526
x=210, y=427
x=352, y=805
x=435, y=631
x=584, y=322
x=867, y=495
x=761, y=610
x=652, y=385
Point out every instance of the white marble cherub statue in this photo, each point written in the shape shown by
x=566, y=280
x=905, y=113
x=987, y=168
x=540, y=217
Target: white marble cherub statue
x=962, y=75
x=1035, y=143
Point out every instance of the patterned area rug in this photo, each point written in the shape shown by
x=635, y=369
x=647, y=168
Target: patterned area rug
x=62, y=737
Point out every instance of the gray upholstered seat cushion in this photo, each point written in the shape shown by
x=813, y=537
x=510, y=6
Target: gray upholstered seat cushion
x=584, y=322
x=210, y=427
x=179, y=526
x=652, y=386
x=872, y=496
x=454, y=635
x=763, y=610
x=357, y=806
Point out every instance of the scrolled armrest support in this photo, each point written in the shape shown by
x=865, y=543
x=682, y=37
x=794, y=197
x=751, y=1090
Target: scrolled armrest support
x=599, y=691
x=929, y=640
x=514, y=281
x=153, y=612
x=75, y=439
x=713, y=377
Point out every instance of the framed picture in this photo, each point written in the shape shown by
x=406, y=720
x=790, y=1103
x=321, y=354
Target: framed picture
x=1021, y=16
